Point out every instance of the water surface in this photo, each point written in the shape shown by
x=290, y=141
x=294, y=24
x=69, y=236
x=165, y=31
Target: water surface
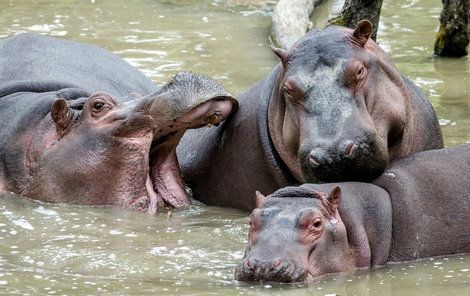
x=71, y=250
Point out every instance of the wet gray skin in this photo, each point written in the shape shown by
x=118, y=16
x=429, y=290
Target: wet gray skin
x=418, y=208
x=348, y=111
x=76, y=250
x=295, y=239
x=111, y=153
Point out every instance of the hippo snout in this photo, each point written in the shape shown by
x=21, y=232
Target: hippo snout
x=320, y=156
x=276, y=270
x=347, y=160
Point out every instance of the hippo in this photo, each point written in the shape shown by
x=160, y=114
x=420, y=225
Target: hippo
x=335, y=109
x=80, y=125
x=419, y=207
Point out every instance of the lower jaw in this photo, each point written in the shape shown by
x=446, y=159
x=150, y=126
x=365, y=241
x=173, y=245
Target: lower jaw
x=163, y=186
x=160, y=196
x=154, y=199
x=165, y=175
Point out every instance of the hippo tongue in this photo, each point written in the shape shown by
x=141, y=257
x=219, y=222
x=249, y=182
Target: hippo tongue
x=165, y=173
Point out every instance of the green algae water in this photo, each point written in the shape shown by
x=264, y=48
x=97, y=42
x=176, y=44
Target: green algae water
x=72, y=250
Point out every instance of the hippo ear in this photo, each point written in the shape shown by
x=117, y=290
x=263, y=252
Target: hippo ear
x=61, y=114
x=282, y=54
x=362, y=32
x=260, y=199
x=334, y=198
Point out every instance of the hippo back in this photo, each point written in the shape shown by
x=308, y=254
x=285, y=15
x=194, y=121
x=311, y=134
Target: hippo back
x=36, y=63
x=431, y=203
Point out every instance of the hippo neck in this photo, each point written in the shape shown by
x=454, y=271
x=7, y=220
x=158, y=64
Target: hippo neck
x=276, y=165
x=34, y=129
x=17, y=137
x=275, y=119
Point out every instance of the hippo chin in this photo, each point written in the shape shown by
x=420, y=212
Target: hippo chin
x=61, y=141
x=418, y=208
x=335, y=109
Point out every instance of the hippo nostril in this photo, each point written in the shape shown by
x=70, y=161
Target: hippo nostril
x=276, y=264
x=318, y=156
x=248, y=263
x=349, y=150
x=314, y=161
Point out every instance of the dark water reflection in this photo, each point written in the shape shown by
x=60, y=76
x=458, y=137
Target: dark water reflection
x=69, y=250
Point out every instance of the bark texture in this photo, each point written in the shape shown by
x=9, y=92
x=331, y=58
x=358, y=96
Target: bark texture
x=356, y=10
x=453, y=36
x=290, y=21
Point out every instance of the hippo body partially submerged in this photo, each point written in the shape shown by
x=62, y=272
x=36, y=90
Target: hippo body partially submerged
x=418, y=208
x=335, y=109
x=74, y=128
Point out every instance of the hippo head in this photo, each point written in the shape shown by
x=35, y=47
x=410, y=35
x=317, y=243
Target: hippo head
x=296, y=234
x=329, y=123
x=99, y=151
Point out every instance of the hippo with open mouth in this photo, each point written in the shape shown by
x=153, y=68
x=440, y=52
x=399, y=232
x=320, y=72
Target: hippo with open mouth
x=74, y=130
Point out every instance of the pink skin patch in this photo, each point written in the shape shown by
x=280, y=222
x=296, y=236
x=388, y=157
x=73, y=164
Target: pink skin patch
x=209, y=113
x=165, y=173
x=145, y=170
x=154, y=198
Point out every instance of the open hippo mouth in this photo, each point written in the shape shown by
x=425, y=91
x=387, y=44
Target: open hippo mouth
x=165, y=185
x=189, y=101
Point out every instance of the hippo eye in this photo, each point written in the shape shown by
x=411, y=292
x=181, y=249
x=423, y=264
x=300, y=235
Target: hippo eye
x=98, y=106
x=317, y=223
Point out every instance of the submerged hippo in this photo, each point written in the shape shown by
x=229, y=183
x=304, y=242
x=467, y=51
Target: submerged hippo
x=335, y=109
x=418, y=208
x=62, y=141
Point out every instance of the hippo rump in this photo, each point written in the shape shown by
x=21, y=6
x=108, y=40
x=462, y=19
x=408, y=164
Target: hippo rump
x=335, y=109
x=73, y=128
x=420, y=207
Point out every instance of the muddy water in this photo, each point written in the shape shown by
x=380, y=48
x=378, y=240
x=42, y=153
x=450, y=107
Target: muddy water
x=69, y=250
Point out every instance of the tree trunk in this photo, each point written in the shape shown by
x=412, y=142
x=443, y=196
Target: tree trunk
x=454, y=32
x=356, y=10
x=290, y=21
